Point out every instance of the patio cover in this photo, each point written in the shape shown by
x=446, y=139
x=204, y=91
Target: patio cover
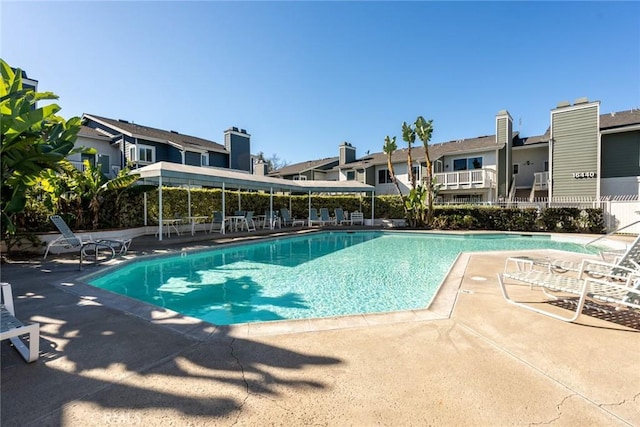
x=166, y=173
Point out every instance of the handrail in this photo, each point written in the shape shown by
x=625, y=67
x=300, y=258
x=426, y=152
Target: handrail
x=612, y=232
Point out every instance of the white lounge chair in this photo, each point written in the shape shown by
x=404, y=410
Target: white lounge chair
x=340, y=217
x=287, y=220
x=113, y=246
x=325, y=218
x=216, y=222
x=629, y=258
x=313, y=218
x=13, y=329
x=615, y=284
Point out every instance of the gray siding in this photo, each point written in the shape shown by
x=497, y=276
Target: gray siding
x=501, y=131
x=371, y=176
x=503, y=162
x=239, y=148
x=502, y=169
x=575, y=150
x=193, y=159
x=219, y=160
x=621, y=155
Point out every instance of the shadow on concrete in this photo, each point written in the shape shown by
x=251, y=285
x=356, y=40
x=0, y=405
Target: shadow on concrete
x=92, y=355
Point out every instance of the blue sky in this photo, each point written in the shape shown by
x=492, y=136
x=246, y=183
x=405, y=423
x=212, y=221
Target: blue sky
x=302, y=77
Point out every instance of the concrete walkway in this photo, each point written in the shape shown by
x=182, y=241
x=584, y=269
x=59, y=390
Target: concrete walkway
x=472, y=359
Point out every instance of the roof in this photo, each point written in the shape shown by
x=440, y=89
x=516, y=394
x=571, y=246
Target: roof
x=187, y=142
x=620, y=119
x=531, y=140
x=175, y=173
x=298, y=168
x=88, y=132
x=436, y=151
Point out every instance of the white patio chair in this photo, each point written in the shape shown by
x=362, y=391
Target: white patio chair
x=616, y=284
x=357, y=218
x=13, y=329
x=630, y=258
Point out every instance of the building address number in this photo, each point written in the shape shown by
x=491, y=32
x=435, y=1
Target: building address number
x=580, y=175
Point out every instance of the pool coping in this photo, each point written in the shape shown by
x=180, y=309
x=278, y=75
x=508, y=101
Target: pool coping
x=440, y=307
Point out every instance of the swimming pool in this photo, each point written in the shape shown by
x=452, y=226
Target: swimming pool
x=317, y=275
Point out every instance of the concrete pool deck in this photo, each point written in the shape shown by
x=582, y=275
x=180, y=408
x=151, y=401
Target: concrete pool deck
x=471, y=359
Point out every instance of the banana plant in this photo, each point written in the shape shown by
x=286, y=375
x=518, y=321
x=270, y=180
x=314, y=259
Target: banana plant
x=92, y=185
x=34, y=139
x=415, y=204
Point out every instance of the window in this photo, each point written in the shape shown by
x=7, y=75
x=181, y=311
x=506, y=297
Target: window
x=467, y=164
x=474, y=163
x=91, y=158
x=204, y=159
x=146, y=154
x=351, y=175
x=384, y=177
x=299, y=178
x=516, y=168
x=416, y=172
x=460, y=164
x=105, y=163
x=142, y=153
x=546, y=166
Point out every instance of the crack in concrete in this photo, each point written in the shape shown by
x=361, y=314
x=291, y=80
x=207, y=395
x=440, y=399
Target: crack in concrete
x=623, y=402
x=558, y=409
x=244, y=380
x=247, y=388
x=568, y=387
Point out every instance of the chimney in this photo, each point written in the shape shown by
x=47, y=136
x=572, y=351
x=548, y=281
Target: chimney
x=238, y=144
x=347, y=153
x=261, y=168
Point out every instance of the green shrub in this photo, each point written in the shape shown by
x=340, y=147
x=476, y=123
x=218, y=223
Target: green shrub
x=127, y=210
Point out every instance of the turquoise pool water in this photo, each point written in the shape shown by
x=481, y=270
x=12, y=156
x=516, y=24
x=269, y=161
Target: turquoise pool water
x=318, y=275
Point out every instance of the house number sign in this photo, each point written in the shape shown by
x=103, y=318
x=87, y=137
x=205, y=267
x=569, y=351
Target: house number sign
x=580, y=175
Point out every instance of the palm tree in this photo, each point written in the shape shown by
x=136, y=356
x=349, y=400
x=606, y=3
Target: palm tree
x=388, y=148
x=424, y=129
x=409, y=136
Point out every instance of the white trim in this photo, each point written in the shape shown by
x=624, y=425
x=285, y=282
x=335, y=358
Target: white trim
x=135, y=156
x=577, y=107
x=621, y=129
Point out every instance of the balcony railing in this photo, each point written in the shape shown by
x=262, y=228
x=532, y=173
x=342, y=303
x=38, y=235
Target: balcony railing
x=541, y=181
x=476, y=178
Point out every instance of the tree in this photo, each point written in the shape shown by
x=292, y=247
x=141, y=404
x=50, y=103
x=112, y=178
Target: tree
x=389, y=147
x=424, y=129
x=92, y=185
x=78, y=192
x=409, y=136
x=274, y=162
x=34, y=139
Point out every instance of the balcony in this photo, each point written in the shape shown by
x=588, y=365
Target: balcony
x=469, y=179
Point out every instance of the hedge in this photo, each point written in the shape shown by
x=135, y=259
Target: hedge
x=127, y=210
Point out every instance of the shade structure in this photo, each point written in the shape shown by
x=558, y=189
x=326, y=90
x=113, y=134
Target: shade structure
x=169, y=174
